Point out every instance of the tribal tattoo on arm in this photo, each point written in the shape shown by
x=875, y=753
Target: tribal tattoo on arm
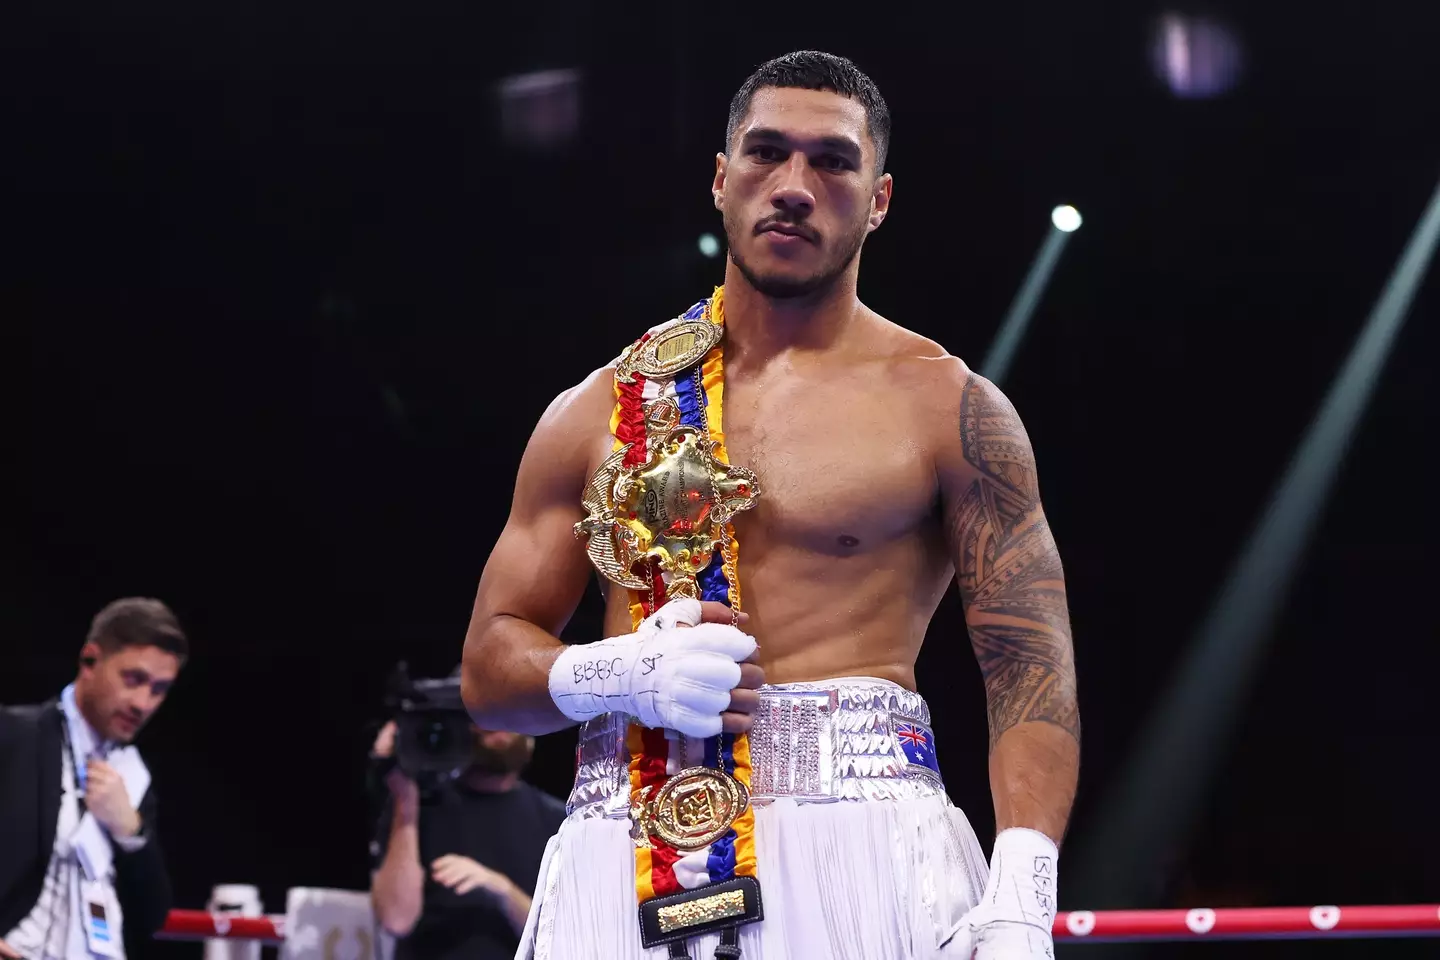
x=1009, y=571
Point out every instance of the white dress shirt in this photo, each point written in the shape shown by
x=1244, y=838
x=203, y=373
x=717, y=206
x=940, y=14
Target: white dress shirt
x=54, y=929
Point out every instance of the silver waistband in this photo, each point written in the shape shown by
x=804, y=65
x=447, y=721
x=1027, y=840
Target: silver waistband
x=813, y=742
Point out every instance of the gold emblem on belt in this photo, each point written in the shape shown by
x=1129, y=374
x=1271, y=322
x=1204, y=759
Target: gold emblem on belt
x=672, y=348
x=672, y=508
x=694, y=808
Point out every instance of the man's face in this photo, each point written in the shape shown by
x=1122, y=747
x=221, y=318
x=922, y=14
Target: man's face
x=121, y=690
x=500, y=752
x=799, y=191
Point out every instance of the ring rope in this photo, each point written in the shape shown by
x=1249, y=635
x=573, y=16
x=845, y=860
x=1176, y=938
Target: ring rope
x=1243, y=923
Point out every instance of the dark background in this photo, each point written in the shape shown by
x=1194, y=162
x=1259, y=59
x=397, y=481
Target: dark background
x=281, y=308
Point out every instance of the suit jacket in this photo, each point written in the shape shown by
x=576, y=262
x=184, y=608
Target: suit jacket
x=30, y=758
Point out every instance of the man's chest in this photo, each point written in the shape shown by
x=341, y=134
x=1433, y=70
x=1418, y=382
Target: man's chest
x=842, y=462
x=839, y=464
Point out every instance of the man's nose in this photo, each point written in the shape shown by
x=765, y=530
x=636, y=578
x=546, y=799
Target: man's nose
x=792, y=191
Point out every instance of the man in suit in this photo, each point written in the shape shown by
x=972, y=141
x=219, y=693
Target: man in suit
x=81, y=872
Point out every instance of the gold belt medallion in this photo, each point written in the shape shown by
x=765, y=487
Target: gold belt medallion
x=672, y=508
x=694, y=808
x=677, y=345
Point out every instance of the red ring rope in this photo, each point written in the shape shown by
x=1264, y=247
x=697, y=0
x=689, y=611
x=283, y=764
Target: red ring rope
x=1249, y=923
x=200, y=925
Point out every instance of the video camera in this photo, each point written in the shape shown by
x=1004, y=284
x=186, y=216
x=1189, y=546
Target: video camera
x=434, y=737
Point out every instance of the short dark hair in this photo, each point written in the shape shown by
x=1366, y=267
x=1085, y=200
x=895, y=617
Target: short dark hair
x=138, y=622
x=813, y=70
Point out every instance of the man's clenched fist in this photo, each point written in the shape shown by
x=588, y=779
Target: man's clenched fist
x=105, y=797
x=686, y=668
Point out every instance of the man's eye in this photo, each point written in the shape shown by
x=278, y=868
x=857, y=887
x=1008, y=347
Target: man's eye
x=765, y=153
x=831, y=161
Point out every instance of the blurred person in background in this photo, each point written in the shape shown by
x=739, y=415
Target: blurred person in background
x=456, y=862
x=81, y=872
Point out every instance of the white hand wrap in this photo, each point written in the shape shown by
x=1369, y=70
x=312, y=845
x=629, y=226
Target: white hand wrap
x=664, y=675
x=1015, y=914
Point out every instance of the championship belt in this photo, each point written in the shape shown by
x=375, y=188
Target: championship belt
x=658, y=523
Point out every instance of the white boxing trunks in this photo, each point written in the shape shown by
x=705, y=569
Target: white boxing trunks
x=860, y=853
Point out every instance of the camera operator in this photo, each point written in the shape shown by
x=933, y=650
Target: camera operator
x=458, y=856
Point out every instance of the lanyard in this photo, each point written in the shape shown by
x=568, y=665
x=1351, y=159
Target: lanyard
x=82, y=773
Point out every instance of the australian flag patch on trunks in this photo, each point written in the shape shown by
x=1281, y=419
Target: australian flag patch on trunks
x=918, y=743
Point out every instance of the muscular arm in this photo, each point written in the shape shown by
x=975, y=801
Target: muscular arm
x=1013, y=588
x=537, y=572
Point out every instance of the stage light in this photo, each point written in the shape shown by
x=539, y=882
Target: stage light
x=1155, y=801
x=540, y=110
x=1000, y=356
x=1066, y=218
x=709, y=245
x=1195, y=57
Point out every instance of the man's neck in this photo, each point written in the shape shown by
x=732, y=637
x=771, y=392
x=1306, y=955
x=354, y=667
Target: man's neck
x=759, y=328
x=83, y=709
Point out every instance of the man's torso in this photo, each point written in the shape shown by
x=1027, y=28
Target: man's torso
x=843, y=560
x=505, y=832
x=30, y=796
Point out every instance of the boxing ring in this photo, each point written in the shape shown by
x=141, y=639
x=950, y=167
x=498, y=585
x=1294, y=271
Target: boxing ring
x=1101, y=926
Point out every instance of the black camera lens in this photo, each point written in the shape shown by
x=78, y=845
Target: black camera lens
x=435, y=734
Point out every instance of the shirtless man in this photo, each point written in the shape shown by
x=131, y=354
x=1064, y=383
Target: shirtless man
x=887, y=468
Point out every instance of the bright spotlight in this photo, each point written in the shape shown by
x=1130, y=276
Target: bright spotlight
x=709, y=245
x=1066, y=218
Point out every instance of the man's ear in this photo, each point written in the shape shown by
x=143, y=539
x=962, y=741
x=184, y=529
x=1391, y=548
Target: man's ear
x=717, y=188
x=880, y=200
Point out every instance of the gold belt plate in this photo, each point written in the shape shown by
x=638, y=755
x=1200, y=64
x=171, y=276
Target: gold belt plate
x=694, y=808
x=677, y=345
x=672, y=508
